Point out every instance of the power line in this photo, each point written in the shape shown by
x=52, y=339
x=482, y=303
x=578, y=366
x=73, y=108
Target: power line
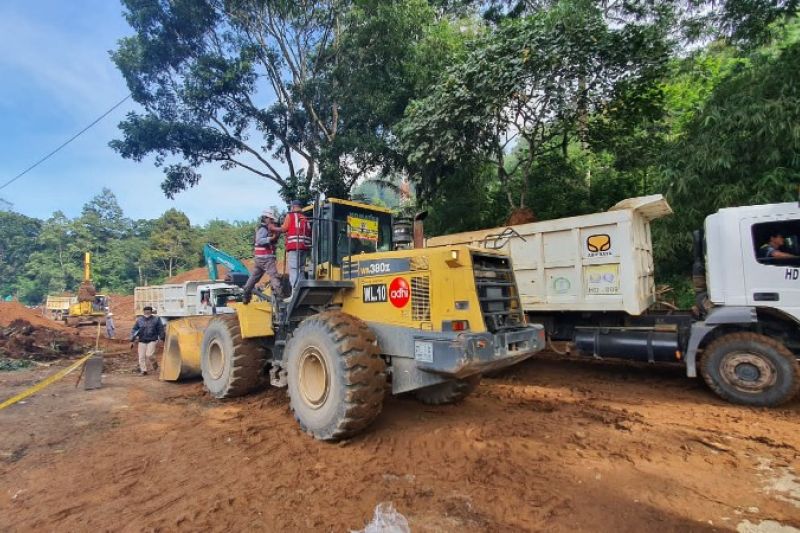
x=48, y=156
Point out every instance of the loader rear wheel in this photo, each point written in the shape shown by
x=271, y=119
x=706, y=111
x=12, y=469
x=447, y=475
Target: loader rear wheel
x=336, y=377
x=231, y=366
x=751, y=369
x=448, y=392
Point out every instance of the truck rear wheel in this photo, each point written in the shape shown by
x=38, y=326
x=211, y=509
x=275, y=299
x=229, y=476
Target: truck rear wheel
x=336, y=378
x=231, y=366
x=751, y=369
x=448, y=392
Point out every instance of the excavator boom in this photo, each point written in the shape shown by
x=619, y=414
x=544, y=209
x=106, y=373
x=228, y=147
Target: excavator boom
x=237, y=272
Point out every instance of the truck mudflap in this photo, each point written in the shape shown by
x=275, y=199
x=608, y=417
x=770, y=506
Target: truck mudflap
x=466, y=354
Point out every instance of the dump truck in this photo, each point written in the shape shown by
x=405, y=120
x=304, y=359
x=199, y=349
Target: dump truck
x=56, y=307
x=190, y=298
x=363, y=318
x=589, y=280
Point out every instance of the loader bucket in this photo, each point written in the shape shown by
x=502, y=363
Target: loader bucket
x=181, y=358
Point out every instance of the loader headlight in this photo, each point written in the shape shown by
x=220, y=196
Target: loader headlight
x=453, y=261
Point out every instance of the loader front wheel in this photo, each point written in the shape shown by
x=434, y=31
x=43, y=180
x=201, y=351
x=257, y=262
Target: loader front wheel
x=231, y=366
x=448, y=392
x=751, y=369
x=336, y=377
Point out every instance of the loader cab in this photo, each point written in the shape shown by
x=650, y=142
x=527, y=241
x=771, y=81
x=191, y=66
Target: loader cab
x=740, y=269
x=343, y=229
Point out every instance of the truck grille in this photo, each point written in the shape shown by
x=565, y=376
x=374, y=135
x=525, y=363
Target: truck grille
x=420, y=298
x=497, y=292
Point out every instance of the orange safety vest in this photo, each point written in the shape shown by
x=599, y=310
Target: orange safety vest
x=298, y=236
x=261, y=251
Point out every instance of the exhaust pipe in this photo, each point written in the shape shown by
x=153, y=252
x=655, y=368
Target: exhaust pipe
x=419, y=230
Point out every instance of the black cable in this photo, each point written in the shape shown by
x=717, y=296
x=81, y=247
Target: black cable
x=48, y=156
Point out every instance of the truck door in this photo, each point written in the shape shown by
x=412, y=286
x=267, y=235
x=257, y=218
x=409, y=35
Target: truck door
x=771, y=255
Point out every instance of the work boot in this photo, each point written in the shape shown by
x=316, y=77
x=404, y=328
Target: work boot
x=143, y=373
x=155, y=366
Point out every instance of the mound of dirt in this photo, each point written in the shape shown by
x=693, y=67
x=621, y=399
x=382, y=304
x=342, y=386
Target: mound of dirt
x=521, y=215
x=11, y=311
x=22, y=340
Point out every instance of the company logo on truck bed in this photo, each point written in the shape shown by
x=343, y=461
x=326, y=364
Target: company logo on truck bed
x=599, y=243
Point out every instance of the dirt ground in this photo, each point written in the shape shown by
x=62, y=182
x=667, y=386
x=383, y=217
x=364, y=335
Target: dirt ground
x=552, y=444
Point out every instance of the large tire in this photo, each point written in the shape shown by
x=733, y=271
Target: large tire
x=448, y=392
x=336, y=377
x=751, y=369
x=231, y=366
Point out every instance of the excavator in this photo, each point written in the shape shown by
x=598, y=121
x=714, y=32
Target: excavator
x=369, y=316
x=91, y=307
x=237, y=272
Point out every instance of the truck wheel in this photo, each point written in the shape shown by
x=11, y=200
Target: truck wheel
x=336, y=378
x=231, y=366
x=751, y=369
x=448, y=392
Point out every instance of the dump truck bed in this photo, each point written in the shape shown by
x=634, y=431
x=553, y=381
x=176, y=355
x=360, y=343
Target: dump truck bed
x=597, y=262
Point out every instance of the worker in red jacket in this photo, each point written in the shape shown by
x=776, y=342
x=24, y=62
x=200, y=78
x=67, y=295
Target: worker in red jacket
x=297, y=230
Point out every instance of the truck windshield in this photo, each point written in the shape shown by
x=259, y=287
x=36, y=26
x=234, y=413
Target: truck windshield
x=361, y=231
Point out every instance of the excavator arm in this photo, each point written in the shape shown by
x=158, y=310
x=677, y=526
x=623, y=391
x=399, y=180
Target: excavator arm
x=237, y=272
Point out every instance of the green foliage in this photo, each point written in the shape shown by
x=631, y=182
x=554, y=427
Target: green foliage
x=172, y=241
x=18, y=235
x=532, y=81
x=740, y=148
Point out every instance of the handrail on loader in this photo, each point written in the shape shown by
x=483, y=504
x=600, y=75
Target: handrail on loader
x=506, y=234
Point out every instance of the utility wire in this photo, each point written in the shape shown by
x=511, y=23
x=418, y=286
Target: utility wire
x=48, y=156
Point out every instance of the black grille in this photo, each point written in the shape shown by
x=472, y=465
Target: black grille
x=497, y=292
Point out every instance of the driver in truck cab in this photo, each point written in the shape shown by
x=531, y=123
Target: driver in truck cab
x=773, y=248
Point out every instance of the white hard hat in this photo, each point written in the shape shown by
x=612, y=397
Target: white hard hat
x=269, y=213
x=110, y=313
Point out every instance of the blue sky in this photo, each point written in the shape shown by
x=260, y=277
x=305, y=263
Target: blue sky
x=55, y=78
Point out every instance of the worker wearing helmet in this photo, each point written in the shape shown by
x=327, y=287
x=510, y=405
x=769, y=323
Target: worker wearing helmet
x=110, y=328
x=298, y=240
x=264, y=243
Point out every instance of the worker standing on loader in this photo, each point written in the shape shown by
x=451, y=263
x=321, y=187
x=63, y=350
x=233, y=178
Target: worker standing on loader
x=266, y=237
x=298, y=240
x=148, y=330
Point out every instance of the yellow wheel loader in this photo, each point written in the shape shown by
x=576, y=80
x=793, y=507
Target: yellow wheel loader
x=368, y=317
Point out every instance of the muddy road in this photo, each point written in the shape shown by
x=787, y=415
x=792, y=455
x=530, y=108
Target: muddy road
x=552, y=444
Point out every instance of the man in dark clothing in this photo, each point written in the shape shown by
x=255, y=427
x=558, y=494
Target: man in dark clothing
x=148, y=330
x=264, y=244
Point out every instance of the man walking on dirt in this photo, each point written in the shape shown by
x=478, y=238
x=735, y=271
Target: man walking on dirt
x=148, y=330
x=267, y=235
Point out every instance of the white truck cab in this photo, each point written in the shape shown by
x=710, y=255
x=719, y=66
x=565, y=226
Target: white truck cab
x=739, y=268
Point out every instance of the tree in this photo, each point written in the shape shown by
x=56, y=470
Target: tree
x=172, y=242
x=533, y=81
x=241, y=83
x=234, y=238
x=742, y=143
x=18, y=235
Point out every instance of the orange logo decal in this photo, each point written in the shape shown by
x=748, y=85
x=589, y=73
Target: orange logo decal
x=599, y=243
